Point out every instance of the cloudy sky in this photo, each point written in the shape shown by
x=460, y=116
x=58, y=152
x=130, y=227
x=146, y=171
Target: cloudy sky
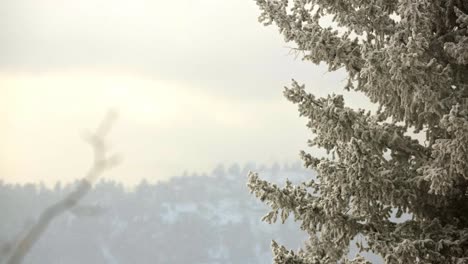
x=196, y=82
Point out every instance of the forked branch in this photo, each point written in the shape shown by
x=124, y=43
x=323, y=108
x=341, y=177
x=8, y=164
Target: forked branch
x=101, y=162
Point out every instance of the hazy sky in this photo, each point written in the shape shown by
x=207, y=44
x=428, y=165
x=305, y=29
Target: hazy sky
x=196, y=82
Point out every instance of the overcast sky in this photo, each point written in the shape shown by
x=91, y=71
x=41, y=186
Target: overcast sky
x=196, y=83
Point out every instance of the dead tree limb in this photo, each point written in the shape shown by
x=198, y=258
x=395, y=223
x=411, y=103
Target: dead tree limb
x=101, y=162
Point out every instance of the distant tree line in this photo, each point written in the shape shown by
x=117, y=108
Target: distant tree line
x=192, y=218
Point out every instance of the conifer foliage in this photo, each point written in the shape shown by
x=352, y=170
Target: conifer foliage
x=410, y=57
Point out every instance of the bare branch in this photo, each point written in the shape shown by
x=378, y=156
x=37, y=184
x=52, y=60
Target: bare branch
x=102, y=161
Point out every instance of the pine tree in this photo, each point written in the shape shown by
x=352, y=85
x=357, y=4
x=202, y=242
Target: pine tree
x=409, y=57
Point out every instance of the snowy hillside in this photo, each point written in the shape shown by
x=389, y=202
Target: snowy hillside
x=189, y=219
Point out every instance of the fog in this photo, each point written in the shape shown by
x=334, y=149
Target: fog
x=189, y=219
x=197, y=85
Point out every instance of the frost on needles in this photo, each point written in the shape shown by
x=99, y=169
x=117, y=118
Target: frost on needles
x=410, y=57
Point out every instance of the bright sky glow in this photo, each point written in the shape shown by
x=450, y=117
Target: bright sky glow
x=196, y=83
x=164, y=127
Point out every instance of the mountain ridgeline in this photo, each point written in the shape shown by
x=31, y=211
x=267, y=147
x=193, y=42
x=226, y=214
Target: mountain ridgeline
x=188, y=219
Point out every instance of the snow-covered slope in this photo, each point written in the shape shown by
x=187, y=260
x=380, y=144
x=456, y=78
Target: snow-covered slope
x=189, y=219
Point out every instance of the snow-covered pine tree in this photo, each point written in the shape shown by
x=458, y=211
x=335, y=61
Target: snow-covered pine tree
x=410, y=57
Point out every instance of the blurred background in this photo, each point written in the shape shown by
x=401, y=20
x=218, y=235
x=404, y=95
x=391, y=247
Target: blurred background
x=190, y=218
x=198, y=86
